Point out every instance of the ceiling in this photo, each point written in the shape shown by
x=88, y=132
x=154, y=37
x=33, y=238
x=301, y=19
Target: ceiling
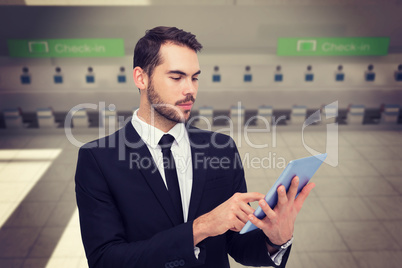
x=194, y=2
x=230, y=27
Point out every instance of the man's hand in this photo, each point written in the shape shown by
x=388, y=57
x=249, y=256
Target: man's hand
x=230, y=215
x=278, y=225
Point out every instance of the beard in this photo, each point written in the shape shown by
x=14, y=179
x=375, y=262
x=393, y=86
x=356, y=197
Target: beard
x=168, y=111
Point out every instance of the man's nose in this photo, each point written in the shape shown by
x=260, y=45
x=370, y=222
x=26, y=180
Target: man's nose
x=190, y=87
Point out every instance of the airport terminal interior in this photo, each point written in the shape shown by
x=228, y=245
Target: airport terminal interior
x=285, y=79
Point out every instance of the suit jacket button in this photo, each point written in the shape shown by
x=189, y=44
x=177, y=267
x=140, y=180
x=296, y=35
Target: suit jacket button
x=182, y=262
x=176, y=263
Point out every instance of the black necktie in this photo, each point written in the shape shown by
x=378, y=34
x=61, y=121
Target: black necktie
x=170, y=173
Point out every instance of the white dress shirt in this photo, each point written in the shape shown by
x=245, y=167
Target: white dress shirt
x=181, y=152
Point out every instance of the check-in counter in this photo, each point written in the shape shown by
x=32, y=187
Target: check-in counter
x=80, y=118
x=264, y=115
x=298, y=114
x=13, y=118
x=329, y=113
x=205, y=117
x=355, y=114
x=390, y=114
x=46, y=118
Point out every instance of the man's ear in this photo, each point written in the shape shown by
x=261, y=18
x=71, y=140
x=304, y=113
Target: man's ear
x=140, y=78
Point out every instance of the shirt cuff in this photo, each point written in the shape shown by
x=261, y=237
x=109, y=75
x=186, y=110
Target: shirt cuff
x=197, y=252
x=277, y=257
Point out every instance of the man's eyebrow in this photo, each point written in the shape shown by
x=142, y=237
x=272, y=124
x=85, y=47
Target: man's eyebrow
x=182, y=73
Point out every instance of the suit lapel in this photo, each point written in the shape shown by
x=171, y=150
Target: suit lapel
x=198, y=143
x=150, y=172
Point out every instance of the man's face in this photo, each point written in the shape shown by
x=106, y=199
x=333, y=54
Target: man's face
x=174, y=84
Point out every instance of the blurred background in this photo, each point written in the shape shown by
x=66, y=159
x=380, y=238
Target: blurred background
x=65, y=79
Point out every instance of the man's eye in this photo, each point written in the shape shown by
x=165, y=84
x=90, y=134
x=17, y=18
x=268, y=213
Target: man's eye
x=195, y=78
x=175, y=78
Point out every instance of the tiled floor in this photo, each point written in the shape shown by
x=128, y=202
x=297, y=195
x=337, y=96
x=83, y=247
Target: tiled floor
x=353, y=218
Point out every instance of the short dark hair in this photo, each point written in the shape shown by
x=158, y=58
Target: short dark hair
x=146, y=52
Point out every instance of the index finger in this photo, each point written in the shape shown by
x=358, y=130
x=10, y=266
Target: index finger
x=251, y=197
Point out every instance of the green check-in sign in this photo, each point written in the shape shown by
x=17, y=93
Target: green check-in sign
x=66, y=48
x=349, y=46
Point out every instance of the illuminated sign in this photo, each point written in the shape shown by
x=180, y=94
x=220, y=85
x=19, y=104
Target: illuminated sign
x=66, y=48
x=348, y=46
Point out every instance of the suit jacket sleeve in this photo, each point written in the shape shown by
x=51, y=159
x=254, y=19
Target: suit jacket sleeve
x=103, y=231
x=249, y=249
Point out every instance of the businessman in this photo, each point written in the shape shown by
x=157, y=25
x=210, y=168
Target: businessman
x=161, y=193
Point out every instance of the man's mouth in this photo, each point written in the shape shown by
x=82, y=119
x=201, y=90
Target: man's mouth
x=186, y=105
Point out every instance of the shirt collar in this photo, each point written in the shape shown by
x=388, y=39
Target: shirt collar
x=151, y=135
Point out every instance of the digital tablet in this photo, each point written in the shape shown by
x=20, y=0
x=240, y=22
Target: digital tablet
x=304, y=168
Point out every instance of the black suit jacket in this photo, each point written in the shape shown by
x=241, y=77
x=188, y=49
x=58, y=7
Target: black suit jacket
x=128, y=220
